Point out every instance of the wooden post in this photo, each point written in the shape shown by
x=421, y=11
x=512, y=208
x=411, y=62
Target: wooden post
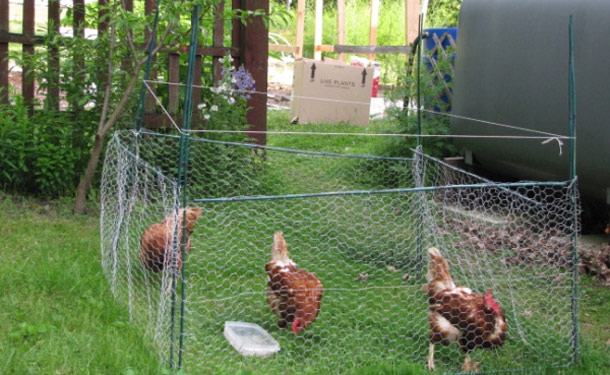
x=412, y=10
x=300, y=28
x=27, y=78
x=317, y=55
x=174, y=79
x=52, y=99
x=196, y=99
x=103, y=24
x=218, y=39
x=254, y=55
x=374, y=24
x=78, y=27
x=236, y=34
x=341, y=26
x=4, y=51
x=78, y=9
x=149, y=8
x=126, y=61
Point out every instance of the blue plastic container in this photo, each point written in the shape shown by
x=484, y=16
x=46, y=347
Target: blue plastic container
x=439, y=32
x=429, y=46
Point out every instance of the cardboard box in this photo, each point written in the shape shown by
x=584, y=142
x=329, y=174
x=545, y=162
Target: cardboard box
x=330, y=93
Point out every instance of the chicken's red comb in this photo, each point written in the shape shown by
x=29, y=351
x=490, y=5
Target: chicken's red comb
x=490, y=301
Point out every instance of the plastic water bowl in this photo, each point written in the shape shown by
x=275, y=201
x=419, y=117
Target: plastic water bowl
x=250, y=339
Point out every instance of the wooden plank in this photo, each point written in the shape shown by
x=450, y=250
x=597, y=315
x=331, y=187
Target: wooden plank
x=283, y=48
x=255, y=43
x=317, y=37
x=365, y=49
x=195, y=119
x=174, y=77
x=27, y=78
x=218, y=39
x=52, y=99
x=78, y=17
x=4, y=13
x=236, y=34
x=300, y=28
x=160, y=120
x=102, y=28
x=373, y=26
x=149, y=8
x=324, y=48
x=149, y=104
x=126, y=62
x=78, y=27
x=203, y=51
x=6, y=37
x=103, y=21
x=341, y=26
x=412, y=10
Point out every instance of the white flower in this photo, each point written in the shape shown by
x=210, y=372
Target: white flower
x=201, y=106
x=206, y=116
x=230, y=58
x=214, y=108
x=231, y=100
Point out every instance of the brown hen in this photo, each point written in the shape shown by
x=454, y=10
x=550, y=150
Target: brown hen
x=458, y=314
x=158, y=239
x=293, y=294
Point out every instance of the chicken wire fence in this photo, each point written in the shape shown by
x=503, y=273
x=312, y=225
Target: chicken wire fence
x=362, y=225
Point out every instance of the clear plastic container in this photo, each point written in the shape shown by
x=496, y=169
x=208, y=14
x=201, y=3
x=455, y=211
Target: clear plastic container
x=250, y=339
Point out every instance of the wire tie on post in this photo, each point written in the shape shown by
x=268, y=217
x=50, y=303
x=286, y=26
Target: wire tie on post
x=559, y=143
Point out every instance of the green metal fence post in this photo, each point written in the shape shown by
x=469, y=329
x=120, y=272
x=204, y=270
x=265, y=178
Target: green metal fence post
x=419, y=178
x=151, y=47
x=573, y=177
x=420, y=45
x=183, y=185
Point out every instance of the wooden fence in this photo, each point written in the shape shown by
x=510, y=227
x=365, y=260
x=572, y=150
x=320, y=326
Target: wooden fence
x=249, y=46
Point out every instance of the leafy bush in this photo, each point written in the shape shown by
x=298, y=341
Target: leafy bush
x=443, y=13
x=224, y=107
x=45, y=152
x=433, y=98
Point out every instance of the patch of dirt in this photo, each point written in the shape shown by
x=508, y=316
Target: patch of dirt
x=546, y=248
x=279, y=95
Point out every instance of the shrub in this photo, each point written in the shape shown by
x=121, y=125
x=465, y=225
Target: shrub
x=43, y=153
x=432, y=93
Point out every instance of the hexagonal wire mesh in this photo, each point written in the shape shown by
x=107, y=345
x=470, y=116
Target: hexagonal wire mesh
x=362, y=225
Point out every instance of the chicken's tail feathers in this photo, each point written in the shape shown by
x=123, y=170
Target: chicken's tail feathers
x=279, y=249
x=192, y=214
x=438, y=268
x=434, y=253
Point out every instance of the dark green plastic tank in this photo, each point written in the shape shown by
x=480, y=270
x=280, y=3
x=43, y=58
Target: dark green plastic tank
x=512, y=68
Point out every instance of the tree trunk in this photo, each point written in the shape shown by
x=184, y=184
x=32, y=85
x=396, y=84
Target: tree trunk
x=85, y=182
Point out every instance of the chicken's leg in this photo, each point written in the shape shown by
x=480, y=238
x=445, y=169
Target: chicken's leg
x=469, y=365
x=431, y=357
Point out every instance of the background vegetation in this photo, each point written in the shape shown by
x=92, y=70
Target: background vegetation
x=59, y=316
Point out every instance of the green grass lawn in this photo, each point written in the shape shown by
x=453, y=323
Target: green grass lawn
x=59, y=316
